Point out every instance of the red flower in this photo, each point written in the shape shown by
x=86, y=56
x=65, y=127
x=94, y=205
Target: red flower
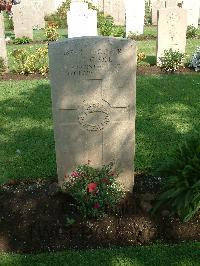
x=92, y=187
x=96, y=205
x=75, y=174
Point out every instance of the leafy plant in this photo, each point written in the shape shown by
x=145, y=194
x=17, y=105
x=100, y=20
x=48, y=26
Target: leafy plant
x=181, y=190
x=118, y=31
x=95, y=190
x=51, y=32
x=195, y=60
x=105, y=24
x=28, y=62
x=22, y=40
x=2, y=66
x=192, y=32
x=171, y=61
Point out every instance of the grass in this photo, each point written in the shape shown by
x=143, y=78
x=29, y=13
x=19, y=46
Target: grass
x=167, y=111
x=185, y=254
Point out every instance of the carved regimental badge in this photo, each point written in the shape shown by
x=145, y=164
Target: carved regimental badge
x=94, y=116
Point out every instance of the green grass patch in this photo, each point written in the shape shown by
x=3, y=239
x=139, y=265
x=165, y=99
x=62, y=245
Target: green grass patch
x=167, y=111
x=185, y=254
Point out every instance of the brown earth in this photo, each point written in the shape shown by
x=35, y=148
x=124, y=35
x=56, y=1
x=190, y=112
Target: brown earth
x=36, y=217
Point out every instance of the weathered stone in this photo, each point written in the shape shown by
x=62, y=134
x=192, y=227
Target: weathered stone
x=172, y=26
x=93, y=96
x=192, y=7
x=81, y=20
x=156, y=5
x=23, y=25
x=116, y=9
x=3, y=52
x=135, y=12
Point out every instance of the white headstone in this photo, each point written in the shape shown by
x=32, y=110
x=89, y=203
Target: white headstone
x=115, y=9
x=93, y=97
x=81, y=20
x=135, y=12
x=156, y=5
x=172, y=26
x=192, y=7
x=22, y=20
x=3, y=52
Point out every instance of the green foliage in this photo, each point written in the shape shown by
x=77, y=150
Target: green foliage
x=2, y=66
x=22, y=40
x=59, y=18
x=148, y=16
x=171, y=61
x=95, y=190
x=192, y=32
x=27, y=62
x=195, y=60
x=51, y=33
x=181, y=190
x=118, y=31
x=105, y=24
x=8, y=22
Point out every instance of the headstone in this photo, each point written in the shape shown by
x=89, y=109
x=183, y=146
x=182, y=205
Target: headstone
x=172, y=26
x=156, y=5
x=23, y=24
x=93, y=97
x=37, y=7
x=81, y=20
x=135, y=12
x=192, y=7
x=3, y=52
x=115, y=9
x=171, y=3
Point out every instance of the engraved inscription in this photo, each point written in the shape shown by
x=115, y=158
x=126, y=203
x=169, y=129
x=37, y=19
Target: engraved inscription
x=94, y=116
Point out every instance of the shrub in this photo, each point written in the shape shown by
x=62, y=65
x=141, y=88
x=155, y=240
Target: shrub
x=181, y=190
x=22, y=40
x=148, y=16
x=195, y=61
x=171, y=61
x=95, y=190
x=8, y=21
x=192, y=32
x=105, y=24
x=2, y=66
x=118, y=31
x=28, y=62
x=51, y=32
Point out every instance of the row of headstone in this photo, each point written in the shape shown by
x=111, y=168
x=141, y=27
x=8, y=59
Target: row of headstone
x=191, y=6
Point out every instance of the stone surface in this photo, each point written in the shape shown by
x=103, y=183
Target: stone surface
x=172, y=26
x=135, y=12
x=23, y=24
x=93, y=96
x=3, y=52
x=116, y=9
x=171, y=3
x=81, y=20
x=192, y=7
x=156, y=5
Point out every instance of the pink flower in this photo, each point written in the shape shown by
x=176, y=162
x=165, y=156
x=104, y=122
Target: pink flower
x=96, y=205
x=92, y=187
x=75, y=174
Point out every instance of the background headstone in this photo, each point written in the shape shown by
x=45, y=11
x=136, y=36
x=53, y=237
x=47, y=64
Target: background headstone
x=116, y=9
x=172, y=26
x=81, y=20
x=192, y=7
x=93, y=96
x=156, y=5
x=23, y=24
x=3, y=52
x=135, y=12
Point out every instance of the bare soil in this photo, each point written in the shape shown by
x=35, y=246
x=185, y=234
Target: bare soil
x=35, y=216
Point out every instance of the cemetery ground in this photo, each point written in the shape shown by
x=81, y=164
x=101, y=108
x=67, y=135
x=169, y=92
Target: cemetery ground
x=36, y=217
